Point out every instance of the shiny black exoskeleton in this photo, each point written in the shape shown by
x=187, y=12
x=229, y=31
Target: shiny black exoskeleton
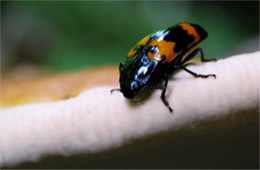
x=158, y=55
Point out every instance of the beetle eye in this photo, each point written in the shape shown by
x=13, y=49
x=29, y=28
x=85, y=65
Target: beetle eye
x=121, y=66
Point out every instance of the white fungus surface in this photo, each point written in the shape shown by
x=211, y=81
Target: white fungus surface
x=96, y=120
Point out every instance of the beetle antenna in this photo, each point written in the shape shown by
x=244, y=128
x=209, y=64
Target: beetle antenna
x=111, y=91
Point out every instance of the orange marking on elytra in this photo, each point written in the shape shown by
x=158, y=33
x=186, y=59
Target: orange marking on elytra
x=191, y=31
x=165, y=48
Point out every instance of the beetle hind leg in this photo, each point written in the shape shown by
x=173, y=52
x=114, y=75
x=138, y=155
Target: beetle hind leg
x=202, y=58
x=194, y=53
x=198, y=75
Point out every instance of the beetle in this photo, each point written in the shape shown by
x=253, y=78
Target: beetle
x=159, y=54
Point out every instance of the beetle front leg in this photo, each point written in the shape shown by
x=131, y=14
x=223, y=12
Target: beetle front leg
x=163, y=93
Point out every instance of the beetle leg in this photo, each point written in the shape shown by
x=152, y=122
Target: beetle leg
x=163, y=93
x=197, y=75
x=194, y=53
x=202, y=58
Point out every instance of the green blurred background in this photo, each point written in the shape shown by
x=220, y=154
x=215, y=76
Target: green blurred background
x=66, y=35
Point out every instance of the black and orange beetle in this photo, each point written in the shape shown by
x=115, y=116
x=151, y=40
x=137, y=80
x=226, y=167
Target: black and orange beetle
x=157, y=55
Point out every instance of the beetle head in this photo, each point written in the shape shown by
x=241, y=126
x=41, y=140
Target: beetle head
x=135, y=72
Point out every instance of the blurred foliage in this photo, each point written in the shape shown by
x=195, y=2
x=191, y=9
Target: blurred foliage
x=65, y=35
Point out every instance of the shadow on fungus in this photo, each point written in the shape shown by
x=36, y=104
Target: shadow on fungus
x=147, y=94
